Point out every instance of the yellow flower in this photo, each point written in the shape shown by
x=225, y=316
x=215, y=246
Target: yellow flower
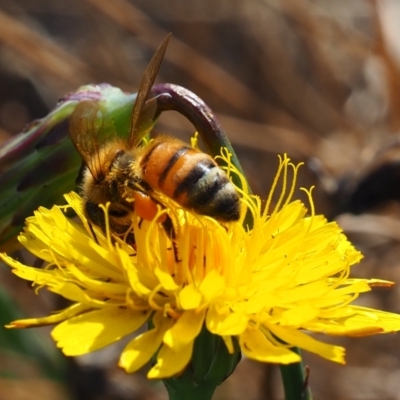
x=266, y=287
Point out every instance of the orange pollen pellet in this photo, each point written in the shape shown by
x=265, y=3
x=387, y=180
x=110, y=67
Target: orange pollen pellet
x=146, y=207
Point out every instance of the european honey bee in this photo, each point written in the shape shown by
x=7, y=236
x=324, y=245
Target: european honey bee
x=130, y=176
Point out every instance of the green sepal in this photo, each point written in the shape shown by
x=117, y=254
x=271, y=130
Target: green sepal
x=210, y=365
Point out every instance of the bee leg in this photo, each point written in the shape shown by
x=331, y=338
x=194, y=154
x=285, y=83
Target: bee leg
x=130, y=239
x=123, y=230
x=147, y=208
x=170, y=231
x=95, y=213
x=93, y=233
x=140, y=223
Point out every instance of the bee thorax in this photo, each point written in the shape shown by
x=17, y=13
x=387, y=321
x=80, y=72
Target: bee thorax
x=122, y=163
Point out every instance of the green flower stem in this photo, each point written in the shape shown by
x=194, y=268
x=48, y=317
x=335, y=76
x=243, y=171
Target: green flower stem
x=295, y=380
x=187, y=391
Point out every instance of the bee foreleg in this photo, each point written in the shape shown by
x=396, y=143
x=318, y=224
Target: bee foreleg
x=93, y=233
x=96, y=214
x=118, y=219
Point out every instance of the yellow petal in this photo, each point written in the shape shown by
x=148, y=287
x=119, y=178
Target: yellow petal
x=39, y=276
x=69, y=312
x=96, y=329
x=73, y=292
x=256, y=346
x=212, y=284
x=389, y=322
x=189, y=297
x=96, y=285
x=297, y=338
x=227, y=323
x=170, y=362
x=361, y=321
x=165, y=279
x=300, y=315
x=140, y=281
x=185, y=330
x=139, y=351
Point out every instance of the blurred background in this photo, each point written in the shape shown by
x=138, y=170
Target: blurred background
x=317, y=79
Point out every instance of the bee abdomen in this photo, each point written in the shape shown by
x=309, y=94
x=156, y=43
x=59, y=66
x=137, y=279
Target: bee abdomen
x=191, y=178
x=212, y=194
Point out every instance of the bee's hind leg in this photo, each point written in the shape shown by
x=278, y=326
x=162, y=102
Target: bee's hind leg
x=171, y=233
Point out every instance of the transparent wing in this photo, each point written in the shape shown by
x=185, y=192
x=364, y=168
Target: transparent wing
x=85, y=130
x=143, y=110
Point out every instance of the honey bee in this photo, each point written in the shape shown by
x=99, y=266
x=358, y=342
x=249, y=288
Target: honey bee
x=130, y=176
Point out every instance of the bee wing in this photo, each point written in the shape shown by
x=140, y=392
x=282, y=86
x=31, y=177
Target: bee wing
x=143, y=110
x=85, y=130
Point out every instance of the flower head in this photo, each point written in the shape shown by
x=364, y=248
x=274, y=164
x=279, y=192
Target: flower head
x=265, y=286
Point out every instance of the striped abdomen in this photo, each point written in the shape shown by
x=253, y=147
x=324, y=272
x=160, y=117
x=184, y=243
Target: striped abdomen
x=191, y=178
